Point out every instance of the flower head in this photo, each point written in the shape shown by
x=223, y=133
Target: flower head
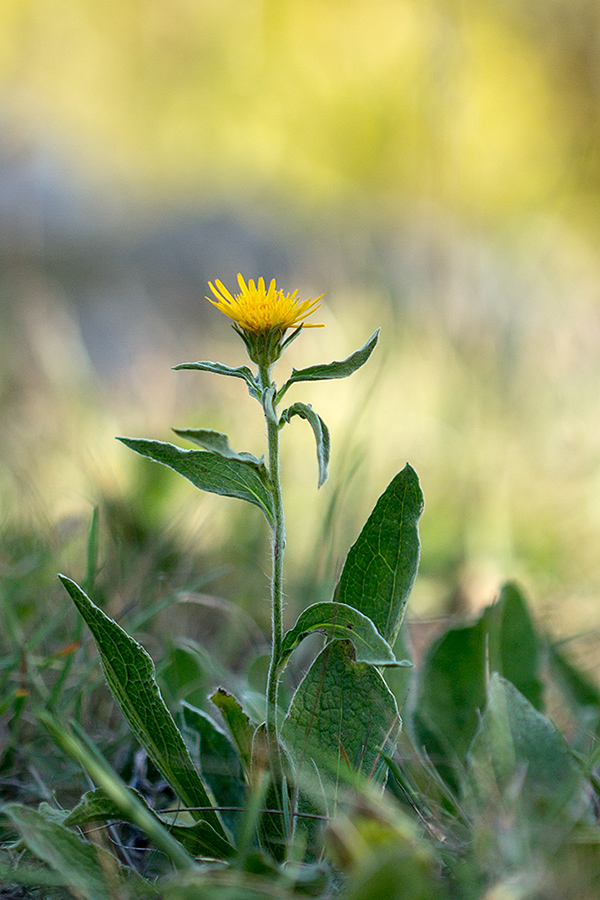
x=262, y=316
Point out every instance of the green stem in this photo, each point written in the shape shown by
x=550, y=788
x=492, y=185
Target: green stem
x=278, y=550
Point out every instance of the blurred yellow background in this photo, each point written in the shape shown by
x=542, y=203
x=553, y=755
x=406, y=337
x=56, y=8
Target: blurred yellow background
x=433, y=166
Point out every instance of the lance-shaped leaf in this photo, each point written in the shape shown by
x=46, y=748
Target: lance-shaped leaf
x=218, y=443
x=239, y=724
x=342, y=716
x=321, y=432
x=209, y=472
x=129, y=672
x=382, y=564
x=217, y=368
x=336, y=620
x=338, y=369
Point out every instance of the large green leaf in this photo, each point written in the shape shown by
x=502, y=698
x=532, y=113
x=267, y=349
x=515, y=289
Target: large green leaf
x=129, y=672
x=92, y=872
x=515, y=741
x=217, y=368
x=338, y=369
x=209, y=472
x=336, y=620
x=320, y=431
x=382, y=564
x=452, y=689
x=341, y=717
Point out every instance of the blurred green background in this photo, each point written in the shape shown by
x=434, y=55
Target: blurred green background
x=431, y=166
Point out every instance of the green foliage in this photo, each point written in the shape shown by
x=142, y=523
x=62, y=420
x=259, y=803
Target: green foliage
x=381, y=566
x=129, y=672
x=337, y=620
x=337, y=369
x=518, y=812
x=516, y=745
x=218, y=443
x=452, y=683
x=131, y=809
x=217, y=368
x=240, y=727
x=320, y=430
x=90, y=871
x=210, y=472
x=218, y=761
x=342, y=717
x=97, y=806
x=481, y=794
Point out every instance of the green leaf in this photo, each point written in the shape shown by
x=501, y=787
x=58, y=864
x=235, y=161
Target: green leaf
x=451, y=694
x=220, y=369
x=336, y=620
x=79, y=747
x=274, y=823
x=515, y=741
x=338, y=369
x=129, y=672
x=209, y=472
x=453, y=678
x=382, y=564
x=321, y=432
x=96, y=806
x=198, y=838
x=268, y=403
x=218, y=443
x=513, y=646
x=219, y=761
x=83, y=866
x=341, y=717
x=239, y=724
x=185, y=673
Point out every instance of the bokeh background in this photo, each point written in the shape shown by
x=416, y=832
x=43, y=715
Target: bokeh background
x=430, y=166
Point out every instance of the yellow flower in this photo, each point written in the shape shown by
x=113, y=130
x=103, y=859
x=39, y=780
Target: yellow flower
x=258, y=310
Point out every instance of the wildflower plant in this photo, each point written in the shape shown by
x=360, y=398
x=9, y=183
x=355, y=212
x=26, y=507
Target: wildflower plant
x=343, y=721
x=484, y=794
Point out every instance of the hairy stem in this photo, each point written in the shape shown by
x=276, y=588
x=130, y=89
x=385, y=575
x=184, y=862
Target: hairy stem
x=278, y=550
